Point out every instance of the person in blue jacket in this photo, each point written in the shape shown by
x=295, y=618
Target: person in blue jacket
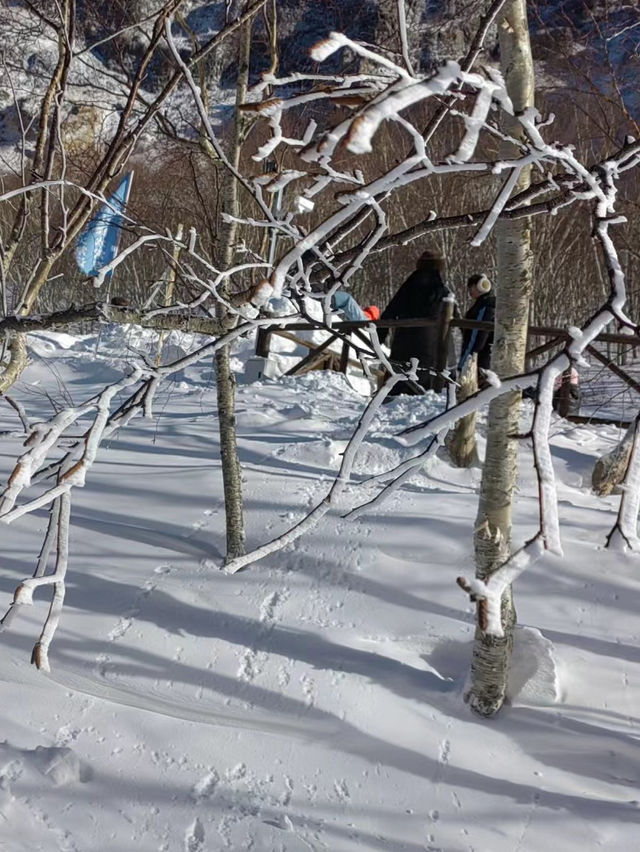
x=347, y=306
x=483, y=308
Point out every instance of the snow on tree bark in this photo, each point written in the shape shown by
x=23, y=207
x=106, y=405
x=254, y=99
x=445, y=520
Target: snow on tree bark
x=609, y=470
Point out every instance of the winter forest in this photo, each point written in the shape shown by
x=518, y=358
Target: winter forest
x=319, y=425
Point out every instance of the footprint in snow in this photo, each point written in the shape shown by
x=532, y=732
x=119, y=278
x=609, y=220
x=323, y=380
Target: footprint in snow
x=127, y=618
x=269, y=605
x=194, y=837
x=205, y=787
x=341, y=790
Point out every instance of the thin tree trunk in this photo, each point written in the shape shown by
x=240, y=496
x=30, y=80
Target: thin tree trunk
x=461, y=440
x=17, y=346
x=492, y=539
x=225, y=380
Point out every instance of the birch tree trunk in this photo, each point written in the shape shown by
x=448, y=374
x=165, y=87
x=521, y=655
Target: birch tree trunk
x=461, y=440
x=492, y=537
x=225, y=380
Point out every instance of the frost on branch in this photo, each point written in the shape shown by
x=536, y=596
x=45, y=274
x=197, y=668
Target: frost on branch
x=488, y=593
x=328, y=46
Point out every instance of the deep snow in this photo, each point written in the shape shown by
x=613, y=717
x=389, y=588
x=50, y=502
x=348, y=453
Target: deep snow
x=314, y=700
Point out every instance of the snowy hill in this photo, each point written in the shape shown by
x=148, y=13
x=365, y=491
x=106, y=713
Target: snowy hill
x=313, y=701
x=602, y=37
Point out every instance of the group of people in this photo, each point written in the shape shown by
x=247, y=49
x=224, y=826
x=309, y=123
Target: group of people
x=421, y=296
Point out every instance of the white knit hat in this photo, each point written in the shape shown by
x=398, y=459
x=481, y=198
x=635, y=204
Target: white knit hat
x=480, y=282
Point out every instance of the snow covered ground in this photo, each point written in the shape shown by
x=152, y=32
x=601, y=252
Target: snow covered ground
x=313, y=701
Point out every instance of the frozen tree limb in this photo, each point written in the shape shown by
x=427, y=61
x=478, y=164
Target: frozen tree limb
x=58, y=530
x=488, y=593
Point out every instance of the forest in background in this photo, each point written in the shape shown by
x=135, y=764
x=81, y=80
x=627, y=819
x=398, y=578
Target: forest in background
x=586, y=57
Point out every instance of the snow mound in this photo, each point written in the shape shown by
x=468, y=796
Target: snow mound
x=321, y=382
x=27, y=768
x=534, y=672
x=44, y=343
x=324, y=453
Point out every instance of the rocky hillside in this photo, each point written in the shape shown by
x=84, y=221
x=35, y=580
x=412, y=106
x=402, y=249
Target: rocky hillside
x=588, y=44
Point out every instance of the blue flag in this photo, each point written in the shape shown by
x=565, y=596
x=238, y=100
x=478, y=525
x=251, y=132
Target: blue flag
x=98, y=243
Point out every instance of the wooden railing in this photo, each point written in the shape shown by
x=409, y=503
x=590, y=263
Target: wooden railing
x=355, y=345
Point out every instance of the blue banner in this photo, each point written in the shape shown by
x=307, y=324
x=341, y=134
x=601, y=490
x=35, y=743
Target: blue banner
x=98, y=243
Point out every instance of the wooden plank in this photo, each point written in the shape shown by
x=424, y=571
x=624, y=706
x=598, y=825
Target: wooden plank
x=344, y=356
x=545, y=347
x=362, y=324
x=614, y=368
x=263, y=342
x=326, y=361
x=312, y=358
x=534, y=330
x=600, y=421
x=300, y=342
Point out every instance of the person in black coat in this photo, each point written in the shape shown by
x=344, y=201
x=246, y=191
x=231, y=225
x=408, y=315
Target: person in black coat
x=420, y=297
x=483, y=308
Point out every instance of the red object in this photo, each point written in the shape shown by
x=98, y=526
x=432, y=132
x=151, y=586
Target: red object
x=559, y=380
x=372, y=312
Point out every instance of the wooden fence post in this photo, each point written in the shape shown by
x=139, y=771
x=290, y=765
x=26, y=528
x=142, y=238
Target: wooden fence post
x=344, y=357
x=443, y=332
x=565, y=392
x=263, y=342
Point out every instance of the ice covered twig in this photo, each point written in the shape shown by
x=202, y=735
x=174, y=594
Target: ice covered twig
x=45, y=437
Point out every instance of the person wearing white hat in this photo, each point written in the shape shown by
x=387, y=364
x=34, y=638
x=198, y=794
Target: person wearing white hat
x=482, y=309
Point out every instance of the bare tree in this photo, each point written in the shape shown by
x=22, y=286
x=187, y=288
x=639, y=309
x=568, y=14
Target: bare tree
x=331, y=161
x=225, y=386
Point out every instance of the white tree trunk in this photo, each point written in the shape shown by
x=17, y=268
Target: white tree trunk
x=491, y=655
x=461, y=440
